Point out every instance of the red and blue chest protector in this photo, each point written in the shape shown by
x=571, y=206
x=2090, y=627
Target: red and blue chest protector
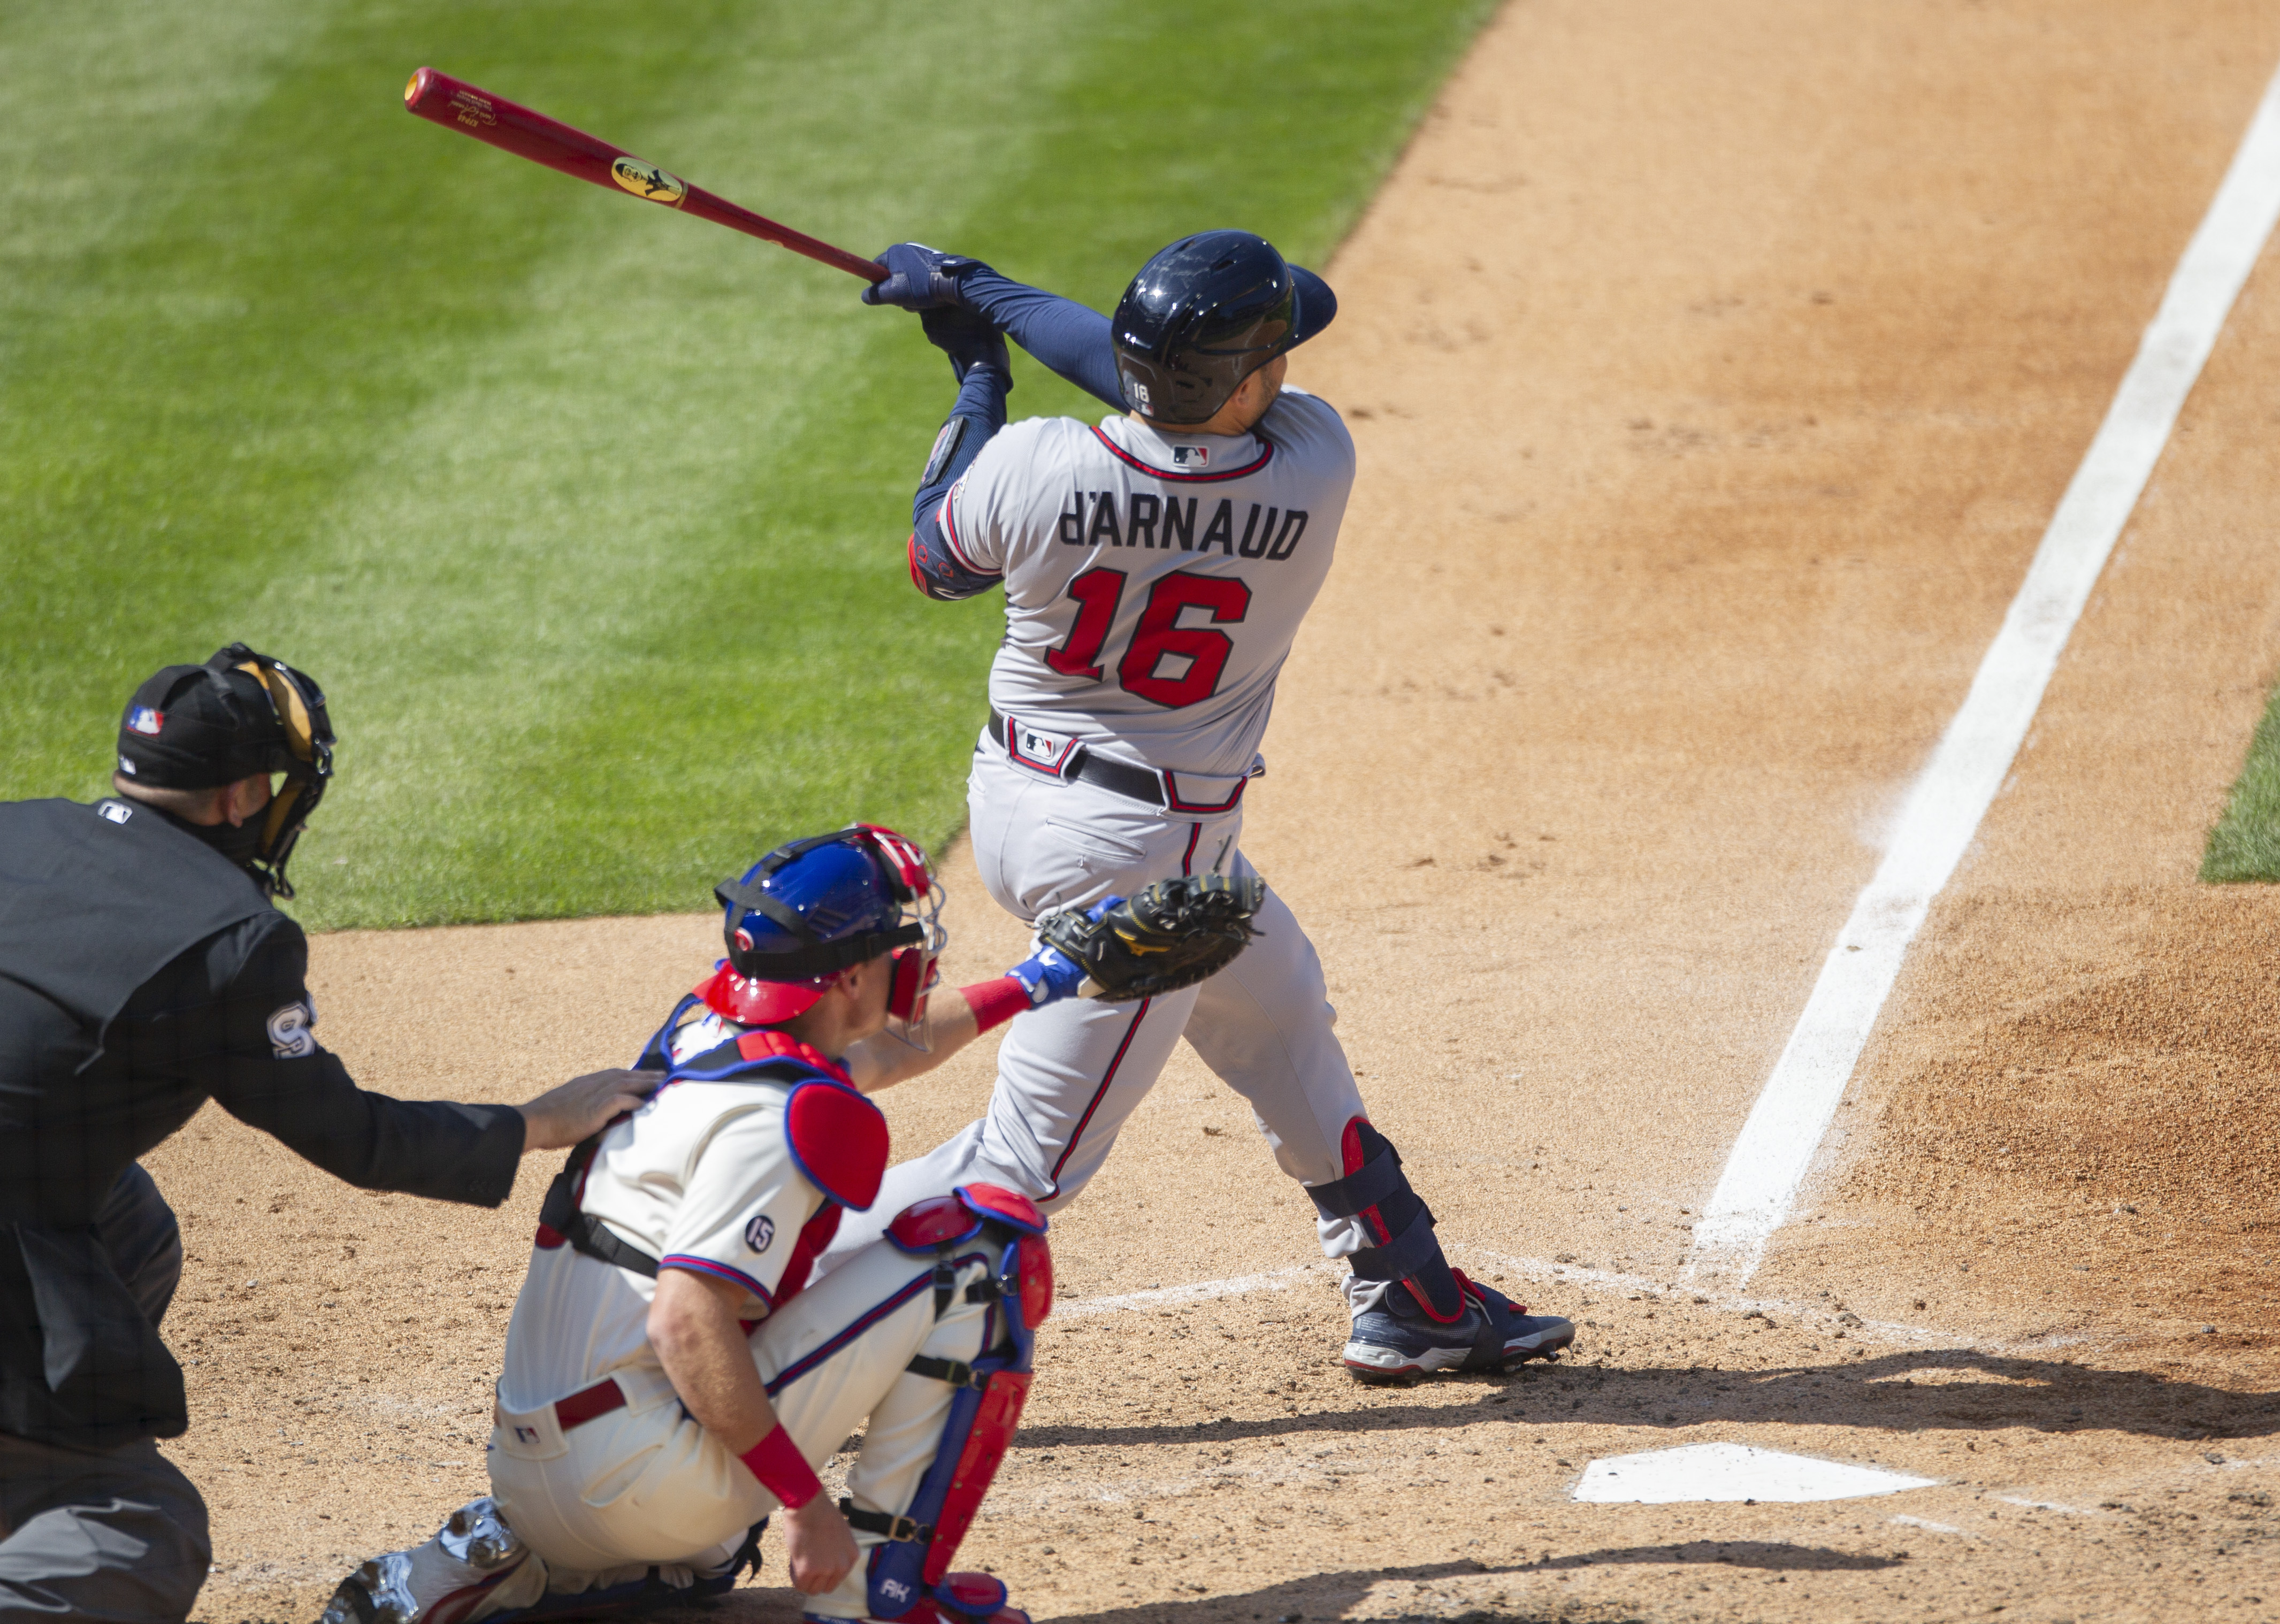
x=837, y=1139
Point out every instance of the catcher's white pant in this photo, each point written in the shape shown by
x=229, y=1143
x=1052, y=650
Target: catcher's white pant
x=647, y=1485
x=1070, y=1073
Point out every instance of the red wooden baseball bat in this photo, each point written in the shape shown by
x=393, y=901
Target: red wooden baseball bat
x=458, y=105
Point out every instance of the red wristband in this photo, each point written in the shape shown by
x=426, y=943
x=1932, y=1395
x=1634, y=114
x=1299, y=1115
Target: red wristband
x=783, y=1471
x=996, y=1003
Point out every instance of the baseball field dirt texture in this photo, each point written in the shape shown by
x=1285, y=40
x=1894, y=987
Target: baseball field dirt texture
x=1715, y=371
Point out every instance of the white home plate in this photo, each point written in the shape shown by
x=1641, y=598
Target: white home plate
x=1732, y=1472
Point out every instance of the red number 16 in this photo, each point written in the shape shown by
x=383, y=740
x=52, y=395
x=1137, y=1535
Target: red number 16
x=1159, y=634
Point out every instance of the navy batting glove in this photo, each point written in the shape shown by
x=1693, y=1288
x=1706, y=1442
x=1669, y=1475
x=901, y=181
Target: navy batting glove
x=969, y=340
x=920, y=277
x=1049, y=975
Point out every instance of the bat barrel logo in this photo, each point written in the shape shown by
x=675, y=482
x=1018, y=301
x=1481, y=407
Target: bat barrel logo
x=646, y=179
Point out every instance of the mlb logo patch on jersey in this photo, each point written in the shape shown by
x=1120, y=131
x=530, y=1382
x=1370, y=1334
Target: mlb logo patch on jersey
x=142, y=720
x=1192, y=458
x=115, y=812
x=760, y=1234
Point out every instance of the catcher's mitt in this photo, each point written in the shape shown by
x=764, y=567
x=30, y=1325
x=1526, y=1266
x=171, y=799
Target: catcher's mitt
x=1172, y=934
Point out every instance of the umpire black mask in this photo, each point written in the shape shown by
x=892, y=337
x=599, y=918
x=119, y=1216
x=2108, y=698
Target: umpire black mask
x=240, y=843
x=202, y=727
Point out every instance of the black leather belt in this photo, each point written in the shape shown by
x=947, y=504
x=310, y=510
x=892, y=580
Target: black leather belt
x=1137, y=782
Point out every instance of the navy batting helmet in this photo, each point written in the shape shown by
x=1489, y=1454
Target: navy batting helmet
x=1205, y=313
x=815, y=907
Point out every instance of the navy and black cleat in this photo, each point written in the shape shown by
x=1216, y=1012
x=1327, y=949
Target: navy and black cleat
x=1494, y=1333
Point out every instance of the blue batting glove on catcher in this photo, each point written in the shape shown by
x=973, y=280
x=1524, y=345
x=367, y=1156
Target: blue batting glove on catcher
x=920, y=277
x=1048, y=974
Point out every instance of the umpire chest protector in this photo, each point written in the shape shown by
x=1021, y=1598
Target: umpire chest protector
x=94, y=902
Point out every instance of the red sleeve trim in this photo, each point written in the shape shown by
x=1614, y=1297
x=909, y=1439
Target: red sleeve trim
x=719, y=1271
x=949, y=522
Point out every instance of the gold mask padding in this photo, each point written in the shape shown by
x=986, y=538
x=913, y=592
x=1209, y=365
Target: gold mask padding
x=291, y=711
x=299, y=739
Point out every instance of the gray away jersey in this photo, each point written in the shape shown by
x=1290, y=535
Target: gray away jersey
x=1154, y=581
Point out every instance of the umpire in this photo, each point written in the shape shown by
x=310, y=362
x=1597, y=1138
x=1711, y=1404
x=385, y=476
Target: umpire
x=144, y=971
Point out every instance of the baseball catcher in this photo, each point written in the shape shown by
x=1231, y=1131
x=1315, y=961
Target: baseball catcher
x=673, y=1374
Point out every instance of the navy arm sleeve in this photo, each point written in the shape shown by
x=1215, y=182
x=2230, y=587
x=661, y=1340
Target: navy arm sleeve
x=937, y=568
x=272, y=1075
x=1059, y=333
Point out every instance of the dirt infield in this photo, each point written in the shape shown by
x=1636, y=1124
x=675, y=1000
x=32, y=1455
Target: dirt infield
x=1714, y=372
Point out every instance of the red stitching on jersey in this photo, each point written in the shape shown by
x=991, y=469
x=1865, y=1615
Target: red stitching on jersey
x=1121, y=455
x=1099, y=1094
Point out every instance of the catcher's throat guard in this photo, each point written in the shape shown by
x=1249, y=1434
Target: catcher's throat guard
x=1170, y=934
x=917, y=967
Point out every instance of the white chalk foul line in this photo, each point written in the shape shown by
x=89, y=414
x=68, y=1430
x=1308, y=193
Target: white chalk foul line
x=1944, y=808
x=1815, y=1315
x=1194, y=1291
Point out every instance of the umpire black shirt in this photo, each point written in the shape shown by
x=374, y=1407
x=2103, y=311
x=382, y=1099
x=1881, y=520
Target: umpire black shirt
x=141, y=972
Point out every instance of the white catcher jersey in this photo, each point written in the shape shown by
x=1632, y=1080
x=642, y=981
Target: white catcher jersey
x=1154, y=581
x=701, y=1177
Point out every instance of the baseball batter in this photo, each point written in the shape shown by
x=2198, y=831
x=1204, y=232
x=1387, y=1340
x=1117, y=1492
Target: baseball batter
x=1155, y=567
x=671, y=1376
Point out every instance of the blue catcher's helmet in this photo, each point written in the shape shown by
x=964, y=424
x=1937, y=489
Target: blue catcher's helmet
x=1205, y=313
x=812, y=908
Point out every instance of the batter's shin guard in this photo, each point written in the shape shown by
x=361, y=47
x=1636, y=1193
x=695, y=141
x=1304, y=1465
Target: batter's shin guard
x=1375, y=1194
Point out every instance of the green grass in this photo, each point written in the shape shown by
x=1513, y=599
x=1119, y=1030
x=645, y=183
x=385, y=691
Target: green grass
x=587, y=517
x=2245, y=843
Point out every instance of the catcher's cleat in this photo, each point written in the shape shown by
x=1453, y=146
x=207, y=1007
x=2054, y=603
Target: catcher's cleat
x=474, y=1569
x=1494, y=1333
x=960, y=1598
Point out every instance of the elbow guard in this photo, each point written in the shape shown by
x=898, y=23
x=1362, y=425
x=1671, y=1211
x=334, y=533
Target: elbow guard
x=938, y=570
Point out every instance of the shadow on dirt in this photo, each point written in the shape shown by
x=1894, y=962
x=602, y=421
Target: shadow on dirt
x=1765, y=1554
x=1925, y=1390
x=1317, y=1599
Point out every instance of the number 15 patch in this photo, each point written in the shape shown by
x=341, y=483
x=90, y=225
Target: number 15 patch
x=760, y=1234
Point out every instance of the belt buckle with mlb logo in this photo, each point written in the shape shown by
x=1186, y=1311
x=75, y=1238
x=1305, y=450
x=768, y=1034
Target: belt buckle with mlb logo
x=1037, y=750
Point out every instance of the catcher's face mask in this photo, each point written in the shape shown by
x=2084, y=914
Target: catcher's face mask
x=916, y=968
x=304, y=755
